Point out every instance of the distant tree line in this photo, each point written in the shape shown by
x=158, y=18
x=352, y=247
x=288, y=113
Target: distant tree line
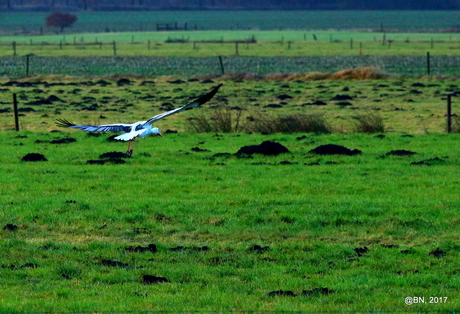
x=54, y=5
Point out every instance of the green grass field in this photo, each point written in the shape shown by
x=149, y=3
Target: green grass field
x=335, y=233
x=269, y=43
x=73, y=217
x=293, y=232
x=121, y=21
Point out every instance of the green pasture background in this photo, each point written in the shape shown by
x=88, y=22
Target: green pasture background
x=33, y=22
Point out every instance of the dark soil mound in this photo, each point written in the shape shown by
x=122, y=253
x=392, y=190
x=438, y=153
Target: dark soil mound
x=123, y=81
x=332, y=149
x=198, y=150
x=113, y=155
x=281, y=293
x=428, y=162
x=104, y=161
x=34, y=157
x=149, y=279
x=111, y=138
x=361, y=250
x=400, y=152
x=273, y=106
x=266, y=148
x=259, y=249
x=317, y=291
x=10, y=227
x=151, y=248
x=65, y=140
x=284, y=97
x=55, y=98
x=438, y=253
x=342, y=97
x=110, y=263
x=190, y=248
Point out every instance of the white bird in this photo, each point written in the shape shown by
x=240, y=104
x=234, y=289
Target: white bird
x=140, y=128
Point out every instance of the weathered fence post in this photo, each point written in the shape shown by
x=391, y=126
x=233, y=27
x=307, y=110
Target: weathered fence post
x=27, y=65
x=114, y=48
x=428, y=63
x=14, y=48
x=449, y=113
x=16, y=116
x=236, y=48
x=221, y=65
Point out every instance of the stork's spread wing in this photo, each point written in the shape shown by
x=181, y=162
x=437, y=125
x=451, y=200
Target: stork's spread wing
x=196, y=103
x=120, y=127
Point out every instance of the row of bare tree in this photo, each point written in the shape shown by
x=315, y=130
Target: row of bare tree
x=229, y=4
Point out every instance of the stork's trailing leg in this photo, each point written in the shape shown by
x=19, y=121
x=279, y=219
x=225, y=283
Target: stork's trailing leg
x=130, y=148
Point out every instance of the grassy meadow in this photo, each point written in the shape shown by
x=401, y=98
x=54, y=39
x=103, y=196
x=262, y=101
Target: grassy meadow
x=293, y=232
x=186, y=224
x=269, y=43
x=34, y=22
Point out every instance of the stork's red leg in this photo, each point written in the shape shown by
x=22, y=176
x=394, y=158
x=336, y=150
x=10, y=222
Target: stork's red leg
x=129, y=152
x=130, y=149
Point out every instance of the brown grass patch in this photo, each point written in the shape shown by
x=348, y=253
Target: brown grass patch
x=363, y=73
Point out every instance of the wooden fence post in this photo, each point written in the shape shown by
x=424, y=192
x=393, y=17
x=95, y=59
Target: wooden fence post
x=449, y=113
x=27, y=65
x=114, y=48
x=236, y=48
x=14, y=48
x=428, y=70
x=221, y=65
x=16, y=116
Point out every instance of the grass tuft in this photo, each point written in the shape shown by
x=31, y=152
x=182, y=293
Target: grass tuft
x=361, y=73
x=220, y=120
x=293, y=123
x=369, y=124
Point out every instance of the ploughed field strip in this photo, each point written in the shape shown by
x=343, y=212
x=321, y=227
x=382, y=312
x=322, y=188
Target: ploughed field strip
x=408, y=64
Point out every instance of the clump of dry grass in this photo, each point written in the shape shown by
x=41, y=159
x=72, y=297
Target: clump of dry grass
x=298, y=123
x=369, y=124
x=362, y=73
x=221, y=120
x=455, y=127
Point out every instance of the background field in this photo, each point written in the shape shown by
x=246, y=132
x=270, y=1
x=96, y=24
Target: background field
x=32, y=22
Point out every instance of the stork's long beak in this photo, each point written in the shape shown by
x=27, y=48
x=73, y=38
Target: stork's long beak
x=159, y=134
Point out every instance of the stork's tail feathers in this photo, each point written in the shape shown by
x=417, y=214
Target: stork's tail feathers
x=125, y=137
x=64, y=123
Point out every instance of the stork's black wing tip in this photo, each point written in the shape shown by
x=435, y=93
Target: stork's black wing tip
x=63, y=123
x=209, y=95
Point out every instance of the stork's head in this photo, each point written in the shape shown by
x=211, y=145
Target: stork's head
x=156, y=131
